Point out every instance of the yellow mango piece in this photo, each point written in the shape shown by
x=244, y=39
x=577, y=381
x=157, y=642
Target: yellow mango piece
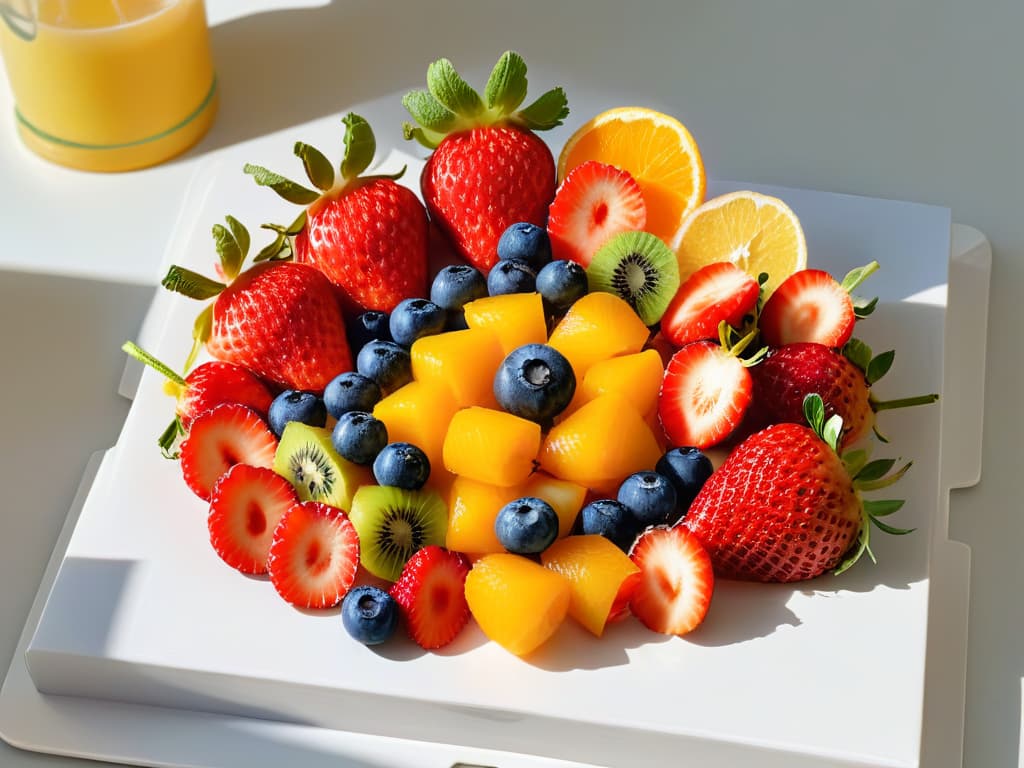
x=491, y=446
x=600, y=444
x=517, y=603
x=418, y=413
x=462, y=361
x=598, y=326
x=565, y=497
x=636, y=377
x=596, y=570
x=516, y=318
x=472, y=509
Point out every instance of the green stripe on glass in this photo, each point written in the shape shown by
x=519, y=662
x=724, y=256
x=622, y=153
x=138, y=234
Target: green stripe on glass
x=155, y=137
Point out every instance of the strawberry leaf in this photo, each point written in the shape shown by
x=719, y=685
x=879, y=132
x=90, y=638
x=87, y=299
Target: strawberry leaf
x=318, y=168
x=857, y=276
x=876, y=469
x=135, y=351
x=168, y=438
x=278, y=249
x=865, y=484
x=863, y=307
x=451, y=91
x=428, y=112
x=832, y=430
x=545, y=113
x=506, y=87
x=854, y=461
x=882, y=507
x=891, y=529
x=859, y=548
x=879, y=366
x=232, y=246
x=201, y=330
x=360, y=146
x=425, y=137
x=858, y=353
x=289, y=190
x=191, y=284
x=814, y=412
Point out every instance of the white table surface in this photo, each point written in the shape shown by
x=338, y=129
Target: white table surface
x=918, y=100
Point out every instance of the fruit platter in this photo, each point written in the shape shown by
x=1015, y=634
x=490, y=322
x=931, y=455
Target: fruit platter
x=558, y=453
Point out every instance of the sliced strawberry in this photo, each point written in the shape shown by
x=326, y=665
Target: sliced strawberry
x=218, y=439
x=676, y=580
x=216, y=382
x=811, y=306
x=594, y=202
x=705, y=392
x=716, y=292
x=314, y=556
x=431, y=592
x=246, y=505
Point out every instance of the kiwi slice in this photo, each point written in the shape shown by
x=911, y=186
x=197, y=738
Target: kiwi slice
x=393, y=524
x=306, y=459
x=637, y=267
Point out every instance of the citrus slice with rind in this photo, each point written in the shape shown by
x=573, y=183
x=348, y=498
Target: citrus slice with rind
x=656, y=149
x=756, y=232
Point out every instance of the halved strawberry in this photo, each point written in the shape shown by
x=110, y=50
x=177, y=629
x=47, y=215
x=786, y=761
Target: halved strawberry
x=716, y=292
x=218, y=439
x=809, y=305
x=314, y=556
x=246, y=505
x=594, y=202
x=704, y=395
x=431, y=592
x=676, y=580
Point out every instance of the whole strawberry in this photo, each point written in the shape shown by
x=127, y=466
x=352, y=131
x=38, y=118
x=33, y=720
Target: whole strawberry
x=785, y=507
x=488, y=169
x=368, y=234
x=279, y=319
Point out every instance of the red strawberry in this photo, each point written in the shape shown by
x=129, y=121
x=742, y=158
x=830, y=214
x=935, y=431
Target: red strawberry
x=431, y=592
x=716, y=293
x=594, y=202
x=785, y=507
x=366, y=233
x=246, y=505
x=314, y=556
x=676, y=580
x=788, y=374
x=704, y=394
x=218, y=439
x=488, y=169
x=810, y=305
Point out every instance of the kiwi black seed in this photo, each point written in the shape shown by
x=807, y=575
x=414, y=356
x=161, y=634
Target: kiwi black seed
x=393, y=524
x=306, y=458
x=639, y=268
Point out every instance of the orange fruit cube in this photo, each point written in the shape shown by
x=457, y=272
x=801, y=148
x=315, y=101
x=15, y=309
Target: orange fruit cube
x=491, y=446
x=442, y=359
x=517, y=603
x=600, y=444
x=596, y=570
x=515, y=318
x=472, y=509
x=635, y=377
x=418, y=413
x=565, y=497
x=598, y=326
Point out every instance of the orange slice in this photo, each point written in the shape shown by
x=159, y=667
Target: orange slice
x=756, y=232
x=657, y=151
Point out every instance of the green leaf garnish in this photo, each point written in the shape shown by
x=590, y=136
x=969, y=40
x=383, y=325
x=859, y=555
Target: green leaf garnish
x=507, y=84
x=318, y=168
x=191, y=284
x=289, y=190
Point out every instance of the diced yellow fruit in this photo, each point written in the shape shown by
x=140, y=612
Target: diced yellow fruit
x=599, y=445
x=598, y=326
x=463, y=361
x=636, y=377
x=596, y=569
x=517, y=603
x=472, y=509
x=491, y=446
x=516, y=318
x=418, y=413
x=564, y=496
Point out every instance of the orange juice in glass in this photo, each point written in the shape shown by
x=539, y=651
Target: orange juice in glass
x=109, y=85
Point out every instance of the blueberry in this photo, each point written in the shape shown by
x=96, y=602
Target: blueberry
x=687, y=469
x=359, y=437
x=369, y=614
x=561, y=283
x=535, y=382
x=526, y=526
x=650, y=496
x=386, y=363
x=527, y=243
x=611, y=519
x=457, y=285
x=292, y=405
x=413, y=318
x=350, y=391
x=401, y=465
x=511, y=277
x=367, y=327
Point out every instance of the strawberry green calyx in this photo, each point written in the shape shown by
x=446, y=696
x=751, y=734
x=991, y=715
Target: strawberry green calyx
x=866, y=475
x=174, y=386
x=450, y=105
x=736, y=345
x=861, y=307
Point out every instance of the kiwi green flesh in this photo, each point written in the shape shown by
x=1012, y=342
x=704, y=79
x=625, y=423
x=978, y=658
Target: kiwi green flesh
x=393, y=524
x=306, y=458
x=639, y=268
